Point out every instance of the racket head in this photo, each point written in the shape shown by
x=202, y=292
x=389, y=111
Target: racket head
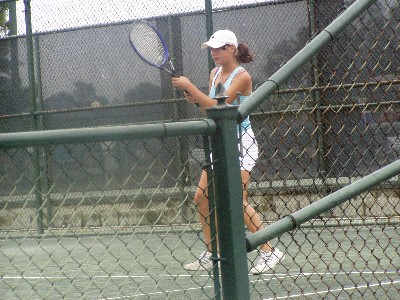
x=148, y=43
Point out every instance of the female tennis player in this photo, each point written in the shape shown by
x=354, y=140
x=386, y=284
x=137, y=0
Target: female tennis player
x=228, y=55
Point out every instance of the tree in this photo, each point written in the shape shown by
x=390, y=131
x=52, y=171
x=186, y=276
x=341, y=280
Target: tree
x=83, y=95
x=4, y=60
x=284, y=51
x=3, y=19
x=144, y=91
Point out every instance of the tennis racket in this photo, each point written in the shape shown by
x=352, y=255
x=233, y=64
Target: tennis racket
x=150, y=46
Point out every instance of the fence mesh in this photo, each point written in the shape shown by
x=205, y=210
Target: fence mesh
x=116, y=220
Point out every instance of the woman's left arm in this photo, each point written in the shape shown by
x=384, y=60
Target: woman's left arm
x=242, y=84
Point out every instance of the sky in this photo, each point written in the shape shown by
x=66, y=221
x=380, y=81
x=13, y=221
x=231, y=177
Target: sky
x=50, y=15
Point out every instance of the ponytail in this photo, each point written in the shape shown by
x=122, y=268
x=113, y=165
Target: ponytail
x=243, y=54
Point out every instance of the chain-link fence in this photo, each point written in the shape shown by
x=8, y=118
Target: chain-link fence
x=116, y=219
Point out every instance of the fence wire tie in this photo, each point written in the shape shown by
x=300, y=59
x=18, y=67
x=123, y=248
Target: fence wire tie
x=341, y=10
x=330, y=34
x=318, y=31
x=210, y=164
x=274, y=82
x=294, y=222
x=213, y=258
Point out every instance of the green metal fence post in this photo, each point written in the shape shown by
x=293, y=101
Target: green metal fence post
x=213, y=226
x=36, y=121
x=181, y=162
x=43, y=157
x=209, y=29
x=229, y=204
x=316, y=95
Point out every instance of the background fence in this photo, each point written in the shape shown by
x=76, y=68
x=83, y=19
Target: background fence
x=116, y=220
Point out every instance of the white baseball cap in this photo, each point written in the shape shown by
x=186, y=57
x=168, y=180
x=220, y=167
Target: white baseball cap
x=221, y=38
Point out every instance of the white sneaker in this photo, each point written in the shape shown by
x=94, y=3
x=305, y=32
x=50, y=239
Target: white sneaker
x=203, y=263
x=267, y=261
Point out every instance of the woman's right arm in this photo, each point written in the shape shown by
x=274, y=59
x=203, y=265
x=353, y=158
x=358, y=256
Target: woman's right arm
x=198, y=96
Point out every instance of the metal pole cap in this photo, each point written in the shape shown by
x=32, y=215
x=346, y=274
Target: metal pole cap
x=220, y=94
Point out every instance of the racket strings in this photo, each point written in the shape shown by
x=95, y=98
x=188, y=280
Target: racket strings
x=148, y=44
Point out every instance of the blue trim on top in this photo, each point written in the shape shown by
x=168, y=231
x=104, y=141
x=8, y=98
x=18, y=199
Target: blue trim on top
x=246, y=123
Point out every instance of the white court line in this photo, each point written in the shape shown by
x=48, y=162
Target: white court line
x=277, y=276
x=357, y=286
x=99, y=276
x=157, y=293
x=272, y=276
x=119, y=276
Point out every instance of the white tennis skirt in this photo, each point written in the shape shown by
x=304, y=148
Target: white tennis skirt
x=248, y=150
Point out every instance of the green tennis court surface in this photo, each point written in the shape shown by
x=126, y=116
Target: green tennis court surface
x=330, y=263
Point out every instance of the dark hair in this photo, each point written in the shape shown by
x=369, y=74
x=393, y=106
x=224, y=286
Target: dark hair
x=244, y=54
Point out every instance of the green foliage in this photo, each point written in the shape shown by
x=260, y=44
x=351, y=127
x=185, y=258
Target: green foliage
x=14, y=97
x=3, y=19
x=144, y=91
x=285, y=50
x=4, y=65
x=83, y=95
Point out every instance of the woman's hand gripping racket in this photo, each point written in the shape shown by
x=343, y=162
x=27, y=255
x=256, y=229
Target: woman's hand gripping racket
x=150, y=46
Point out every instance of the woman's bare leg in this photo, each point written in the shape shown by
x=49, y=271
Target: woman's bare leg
x=251, y=218
x=202, y=205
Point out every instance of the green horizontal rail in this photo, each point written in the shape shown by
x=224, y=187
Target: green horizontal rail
x=106, y=133
x=323, y=205
x=302, y=57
